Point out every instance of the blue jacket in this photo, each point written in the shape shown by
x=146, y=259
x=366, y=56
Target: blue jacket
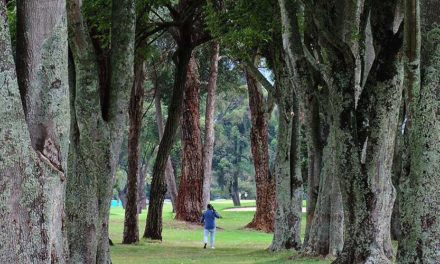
x=208, y=218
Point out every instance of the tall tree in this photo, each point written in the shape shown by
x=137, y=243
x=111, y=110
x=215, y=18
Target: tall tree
x=208, y=144
x=289, y=189
x=365, y=106
x=135, y=111
x=190, y=196
x=188, y=33
x=170, y=178
x=99, y=102
x=420, y=197
x=265, y=181
x=34, y=134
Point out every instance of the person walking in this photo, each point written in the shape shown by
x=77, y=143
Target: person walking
x=208, y=219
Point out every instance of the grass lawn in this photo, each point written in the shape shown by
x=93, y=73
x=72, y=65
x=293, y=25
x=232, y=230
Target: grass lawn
x=182, y=243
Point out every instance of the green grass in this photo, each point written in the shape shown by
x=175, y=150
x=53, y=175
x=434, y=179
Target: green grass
x=182, y=243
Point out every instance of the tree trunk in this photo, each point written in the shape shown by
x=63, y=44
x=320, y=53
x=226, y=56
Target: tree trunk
x=189, y=198
x=208, y=147
x=420, y=202
x=33, y=153
x=396, y=178
x=326, y=230
x=169, y=170
x=96, y=132
x=135, y=111
x=153, y=229
x=265, y=182
x=315, y=149
x=142, y=198
x=368, y=145
x=287, y=170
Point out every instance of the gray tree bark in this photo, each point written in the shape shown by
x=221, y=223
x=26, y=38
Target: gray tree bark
x=288, y=179
x=420, y=201
x=95, y=136
x=34, y=134
x=315, y=149
x=208, y=144
x=326, y=230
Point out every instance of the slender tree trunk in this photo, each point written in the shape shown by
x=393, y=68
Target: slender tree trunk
x=33, y=153
x=420, y=201
x=265, y=182
x=189, y=198
x=287, y=171
x=153, y=229
x=169, y=170
x=96, y=132
x=233, y=181
x=208, y=147
x=142, y=198
x=135, y=111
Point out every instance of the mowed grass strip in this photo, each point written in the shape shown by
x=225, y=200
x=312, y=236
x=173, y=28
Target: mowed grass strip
x=182, y=243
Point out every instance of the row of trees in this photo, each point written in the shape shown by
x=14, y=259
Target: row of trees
x=339, y=67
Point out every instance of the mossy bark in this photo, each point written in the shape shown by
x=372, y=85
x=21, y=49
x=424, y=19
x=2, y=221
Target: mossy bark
x=289, y=190
x=96, y=133
x=420, y=201
x=326, y=230
x=34, y=134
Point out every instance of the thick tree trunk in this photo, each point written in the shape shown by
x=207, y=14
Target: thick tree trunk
x=287, y=170
x=96, y=137
x=264, y=217
x=33, y=155
x=420, y=202
x=208, y=147
x=153, y=229
x=135, y=111
x=365, y=128
x=169, y=170
x=326, y=231
x=190, y=196
x=368, y=147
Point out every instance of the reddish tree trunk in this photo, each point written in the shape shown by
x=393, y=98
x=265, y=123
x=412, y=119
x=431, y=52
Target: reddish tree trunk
x=265, y=183
x=131, y=223
x=189, y=198
x=208, y=147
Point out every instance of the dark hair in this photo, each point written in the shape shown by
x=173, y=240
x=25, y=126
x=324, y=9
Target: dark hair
x=210, y=207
